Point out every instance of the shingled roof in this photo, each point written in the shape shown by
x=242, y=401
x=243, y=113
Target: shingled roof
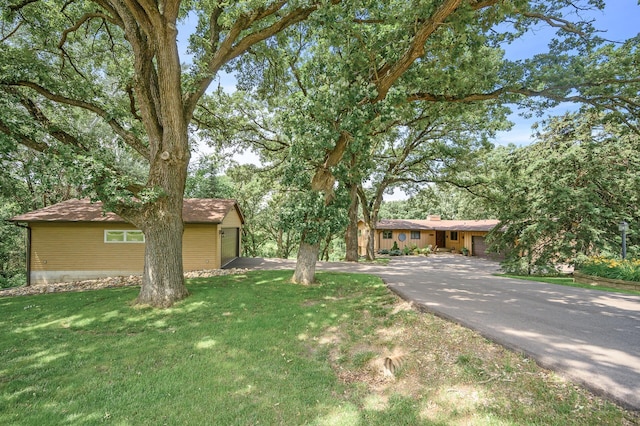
x=437, y=225
x=195, y=210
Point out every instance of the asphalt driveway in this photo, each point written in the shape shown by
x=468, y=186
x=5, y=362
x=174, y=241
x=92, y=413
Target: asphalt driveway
x=589, y=336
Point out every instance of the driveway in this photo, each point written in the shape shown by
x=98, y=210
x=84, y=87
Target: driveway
x=589, y=336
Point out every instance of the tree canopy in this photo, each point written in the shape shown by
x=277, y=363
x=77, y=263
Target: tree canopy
x=100, y=86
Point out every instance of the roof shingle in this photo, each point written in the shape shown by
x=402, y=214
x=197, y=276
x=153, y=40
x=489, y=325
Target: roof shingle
x=437, y=225
x=195, y=210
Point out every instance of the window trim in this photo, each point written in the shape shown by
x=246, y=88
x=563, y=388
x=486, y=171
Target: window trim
x=385, y=233
x=413, y=235
x=125, y=232
x=451, y=233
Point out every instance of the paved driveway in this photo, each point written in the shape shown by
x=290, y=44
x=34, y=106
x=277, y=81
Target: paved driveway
x=591, y=337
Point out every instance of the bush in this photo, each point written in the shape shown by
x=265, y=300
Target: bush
x=395, y=246
x=521, y=266
x=12, y=279
x=406, y=250
x=395, y=252
x=627, y=270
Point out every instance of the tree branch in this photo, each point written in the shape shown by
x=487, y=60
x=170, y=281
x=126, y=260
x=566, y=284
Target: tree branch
x=129, y=138
x=16, y=7
x=228, y=50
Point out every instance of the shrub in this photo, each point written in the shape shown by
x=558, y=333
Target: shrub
x=395, y=252
x=12, y=279
x=395, y=246
x=628, y=270
x=406, y=250
x=383, y=251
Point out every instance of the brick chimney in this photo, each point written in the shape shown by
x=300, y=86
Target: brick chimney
x=433, y=217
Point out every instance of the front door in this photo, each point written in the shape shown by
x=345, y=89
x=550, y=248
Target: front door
x=440, y=240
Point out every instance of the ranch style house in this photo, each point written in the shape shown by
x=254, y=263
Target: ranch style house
x=449, y=235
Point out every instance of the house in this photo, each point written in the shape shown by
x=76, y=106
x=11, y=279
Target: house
x=76, y=240
x=451, y=235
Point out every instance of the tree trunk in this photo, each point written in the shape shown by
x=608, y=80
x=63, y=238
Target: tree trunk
x=371, y=239
x=163, y=278
x=351, y=234
x=305, y=272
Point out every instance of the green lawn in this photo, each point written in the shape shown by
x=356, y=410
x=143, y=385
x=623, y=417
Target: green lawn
x=255, y=349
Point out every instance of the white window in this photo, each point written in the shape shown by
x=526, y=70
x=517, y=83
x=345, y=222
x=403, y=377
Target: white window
x=113, y=236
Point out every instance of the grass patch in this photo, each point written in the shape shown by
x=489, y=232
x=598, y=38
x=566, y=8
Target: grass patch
x=253, y=348
x=568, y=281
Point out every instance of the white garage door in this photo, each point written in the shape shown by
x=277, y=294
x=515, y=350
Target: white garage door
x=229, y=245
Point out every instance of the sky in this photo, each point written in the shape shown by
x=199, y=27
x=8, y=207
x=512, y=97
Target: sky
x=619, y=21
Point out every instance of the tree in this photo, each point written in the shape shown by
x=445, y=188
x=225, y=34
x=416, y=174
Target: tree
x=563, y=196
x=435, y=146
x=205, y=180
x=84, y=79
x=339, y=83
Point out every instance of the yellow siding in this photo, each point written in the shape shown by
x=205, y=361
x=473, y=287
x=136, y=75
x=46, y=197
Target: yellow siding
x=199, y=247
x=81, y=246
x=71, y=246
x=232, y=220
x=427, y=238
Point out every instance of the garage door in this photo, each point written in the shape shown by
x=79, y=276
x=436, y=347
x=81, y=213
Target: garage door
x=479, y=246
x=229, y=245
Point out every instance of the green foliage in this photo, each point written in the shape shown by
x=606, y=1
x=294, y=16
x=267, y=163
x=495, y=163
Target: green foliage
x=395, y=246
x=206, y=181
x=627, y=270
x=564, y=196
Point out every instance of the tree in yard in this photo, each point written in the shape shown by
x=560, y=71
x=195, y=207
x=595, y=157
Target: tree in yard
x=99, y=85
x=563, y=196
x=339, y=85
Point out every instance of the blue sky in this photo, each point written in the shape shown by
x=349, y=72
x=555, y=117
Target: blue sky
x=620, y=20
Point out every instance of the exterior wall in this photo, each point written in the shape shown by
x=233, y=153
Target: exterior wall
x=231, y=220
x=200, y=247
x=77, y=251
x=427, y=237
x=75, y=246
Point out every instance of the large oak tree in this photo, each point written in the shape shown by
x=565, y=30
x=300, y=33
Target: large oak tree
x=342, y=81
x=100, y=83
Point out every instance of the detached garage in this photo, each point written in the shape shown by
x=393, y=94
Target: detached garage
x=76, y=240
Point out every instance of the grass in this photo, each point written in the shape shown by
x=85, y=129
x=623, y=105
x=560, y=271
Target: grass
x=249, y=349
x=568, y=281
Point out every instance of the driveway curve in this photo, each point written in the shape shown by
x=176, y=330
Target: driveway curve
x=589, y=336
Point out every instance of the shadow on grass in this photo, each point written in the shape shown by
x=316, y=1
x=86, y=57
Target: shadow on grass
x=242, y=349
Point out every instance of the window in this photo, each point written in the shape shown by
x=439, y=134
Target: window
x=402, y=237
x=112, y=236
x=387, y=235
x=454, y=235
x=415, y=235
